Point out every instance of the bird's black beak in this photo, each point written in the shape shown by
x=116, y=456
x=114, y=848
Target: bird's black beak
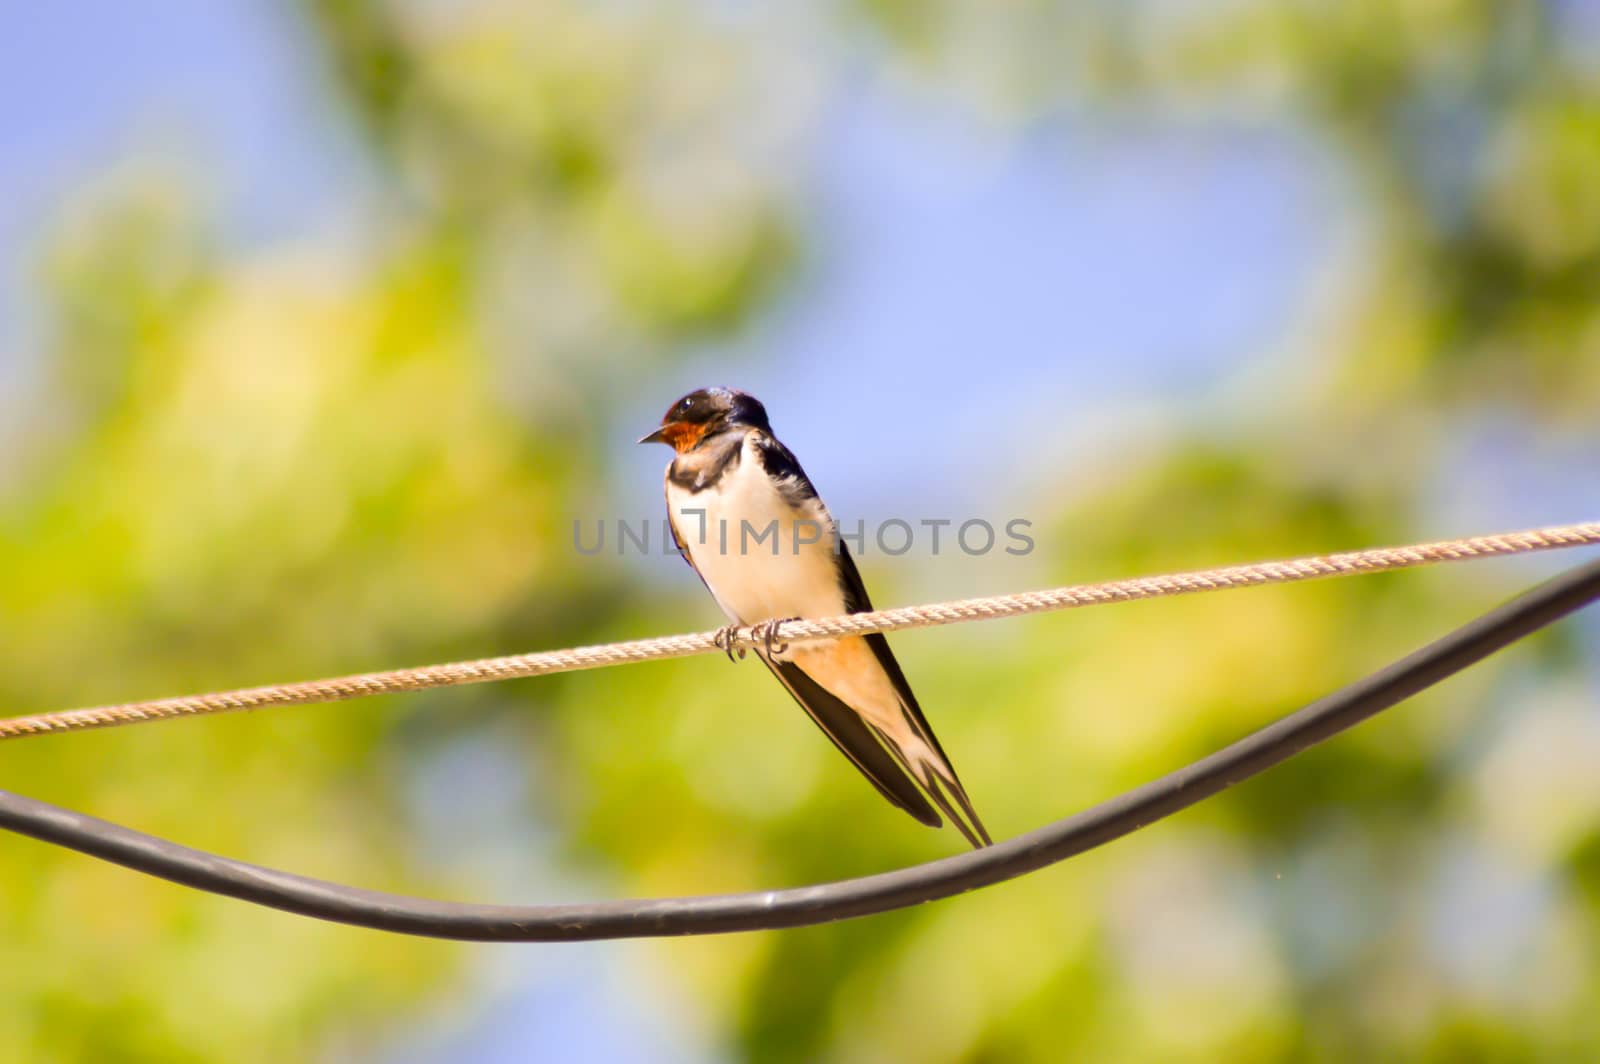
x=658, y=436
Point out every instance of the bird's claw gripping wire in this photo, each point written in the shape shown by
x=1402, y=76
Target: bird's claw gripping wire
x=727, y=641
x=726, y=638
x=767, y=632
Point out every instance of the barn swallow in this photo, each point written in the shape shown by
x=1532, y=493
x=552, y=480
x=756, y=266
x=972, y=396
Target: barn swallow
x=729, y=483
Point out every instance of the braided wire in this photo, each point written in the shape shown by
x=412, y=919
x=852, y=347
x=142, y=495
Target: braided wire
x=542, y=663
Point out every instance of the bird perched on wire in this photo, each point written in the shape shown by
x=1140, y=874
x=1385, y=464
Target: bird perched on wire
x=749, y=521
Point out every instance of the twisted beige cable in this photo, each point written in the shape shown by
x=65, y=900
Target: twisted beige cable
x=515, y=666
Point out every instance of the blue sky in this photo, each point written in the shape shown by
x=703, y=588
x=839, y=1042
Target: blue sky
x=1022, y=279
x=223, y=90
x=1009, y=283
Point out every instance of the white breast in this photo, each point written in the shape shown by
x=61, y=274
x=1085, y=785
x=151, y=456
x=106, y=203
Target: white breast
x=757, y=580
x=773, y=579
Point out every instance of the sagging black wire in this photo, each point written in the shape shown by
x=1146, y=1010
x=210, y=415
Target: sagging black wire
x=798, y=906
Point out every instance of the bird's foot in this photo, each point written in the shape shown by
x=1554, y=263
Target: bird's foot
x=727, y=640
x=767, y=632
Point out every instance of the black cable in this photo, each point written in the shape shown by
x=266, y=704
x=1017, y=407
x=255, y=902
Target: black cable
x=833, y=901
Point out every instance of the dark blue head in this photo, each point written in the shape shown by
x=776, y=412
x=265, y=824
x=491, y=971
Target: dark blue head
x=705, y=413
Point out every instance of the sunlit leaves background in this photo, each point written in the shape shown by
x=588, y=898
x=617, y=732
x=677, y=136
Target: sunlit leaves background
x=367, y=446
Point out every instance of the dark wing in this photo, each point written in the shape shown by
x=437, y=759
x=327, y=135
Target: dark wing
x=856, y=740
x=856, y=601
x=781, y=463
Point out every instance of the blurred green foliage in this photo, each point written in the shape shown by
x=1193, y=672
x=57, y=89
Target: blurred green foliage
x=296, y=463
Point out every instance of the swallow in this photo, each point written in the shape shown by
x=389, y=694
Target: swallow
x=730, y=484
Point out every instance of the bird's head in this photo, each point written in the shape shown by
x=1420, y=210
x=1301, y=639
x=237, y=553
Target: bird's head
x=704, y=413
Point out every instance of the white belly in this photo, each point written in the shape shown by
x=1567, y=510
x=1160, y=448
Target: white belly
x=756, y=580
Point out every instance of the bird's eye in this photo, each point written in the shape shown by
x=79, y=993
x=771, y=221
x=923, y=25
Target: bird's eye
x=686, y=404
